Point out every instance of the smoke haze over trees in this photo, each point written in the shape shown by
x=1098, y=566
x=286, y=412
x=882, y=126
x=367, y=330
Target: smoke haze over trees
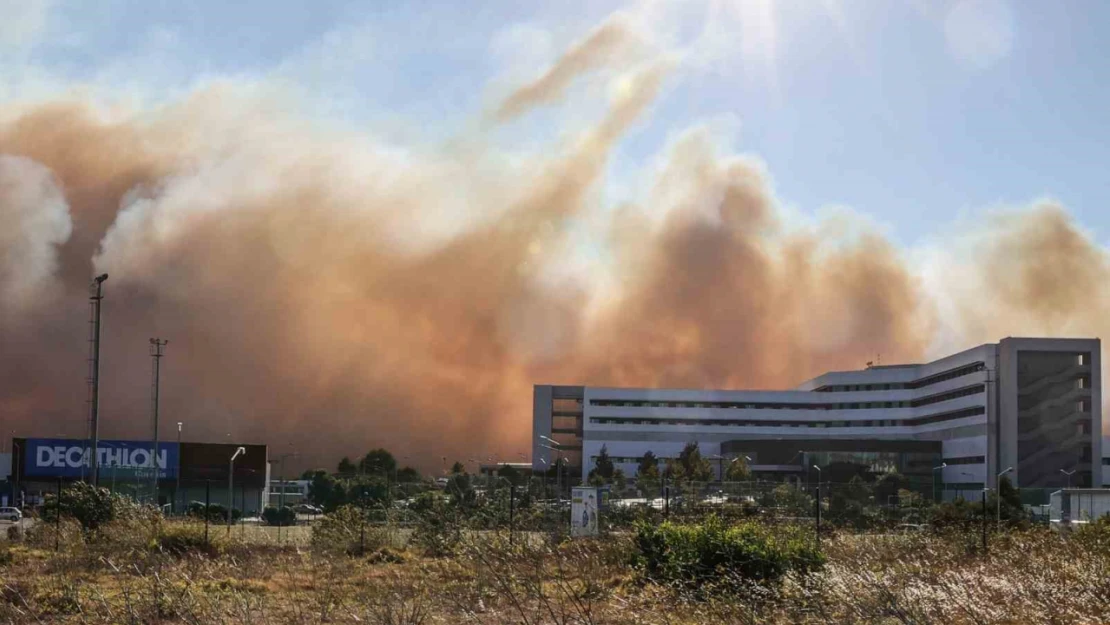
x=332, y=288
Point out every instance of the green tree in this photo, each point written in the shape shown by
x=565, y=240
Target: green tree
x=510, y=473
x=408, y=474
x=690, y=465
x=888, y=485
x=458, y=468
x=460, y=491
x=346, y=467
x=1011, y=510
x=364, y=491
x=377, y=462
x=790, y=500
x=603, y=466
x=620, y=482
x=738, y=470
x=322, y=487
x=851, y=503
x=647, y=474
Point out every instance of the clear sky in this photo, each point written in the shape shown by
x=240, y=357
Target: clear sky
x=911, y=111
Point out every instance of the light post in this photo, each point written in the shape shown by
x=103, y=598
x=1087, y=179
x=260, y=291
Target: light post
x=1069, y=474
x=16, y=473
x=281, y=494
x=94, y=400
x=177, y=486
x=156, y=347
x=230, y=489
x=558, y=463
x=998, y=497
x=818, y=505
x=545, y=471
x=935, y=469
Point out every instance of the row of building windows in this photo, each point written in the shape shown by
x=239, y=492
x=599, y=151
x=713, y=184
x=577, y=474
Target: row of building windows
x=867, y=405
x=951, y=374
x=945, y=416
x=966, y=460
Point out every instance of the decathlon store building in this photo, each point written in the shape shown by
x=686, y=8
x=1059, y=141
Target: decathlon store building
x=186, y=471
x=1030, y=405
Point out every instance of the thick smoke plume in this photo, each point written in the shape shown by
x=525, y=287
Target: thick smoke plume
x=333, y=293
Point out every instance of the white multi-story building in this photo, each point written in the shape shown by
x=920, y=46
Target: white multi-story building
x=1030, y=405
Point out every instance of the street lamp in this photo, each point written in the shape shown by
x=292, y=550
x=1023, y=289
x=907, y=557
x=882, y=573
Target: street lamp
x=998, y=497
x=818, y=505
x=558, y=465
x=1069, y=474
x=177, y=487
x=230, y=490
x=935, y=469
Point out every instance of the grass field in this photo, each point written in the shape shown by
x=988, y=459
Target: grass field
x=139, y=573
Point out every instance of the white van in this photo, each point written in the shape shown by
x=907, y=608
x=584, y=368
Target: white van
x=10, y=514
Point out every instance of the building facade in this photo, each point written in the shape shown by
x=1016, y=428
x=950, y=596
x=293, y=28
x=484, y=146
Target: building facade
x=1027, y=406
x=186, y=471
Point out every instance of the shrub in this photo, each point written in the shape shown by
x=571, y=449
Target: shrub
x=217, y=513
x=180, y=539
x=91, y=506
x=346, y=531
x=279, y=516
x=700, y=552
x=438, y=533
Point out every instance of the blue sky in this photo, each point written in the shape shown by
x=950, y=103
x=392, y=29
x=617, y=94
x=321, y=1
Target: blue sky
x=915, y=113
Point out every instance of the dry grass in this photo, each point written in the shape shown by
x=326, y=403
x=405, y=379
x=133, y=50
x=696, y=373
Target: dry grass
x=121, y=577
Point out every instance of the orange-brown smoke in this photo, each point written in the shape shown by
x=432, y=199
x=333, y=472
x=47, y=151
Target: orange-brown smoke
x=330, y=294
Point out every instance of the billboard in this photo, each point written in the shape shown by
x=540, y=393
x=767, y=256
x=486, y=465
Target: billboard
x=59, y=457
x=583, y=511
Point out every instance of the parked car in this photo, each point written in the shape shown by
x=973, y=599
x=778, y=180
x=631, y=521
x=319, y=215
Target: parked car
x=10, y=514
x=304, y=508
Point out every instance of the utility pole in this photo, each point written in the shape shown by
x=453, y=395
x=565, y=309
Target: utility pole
x=156, y=346
x=818, y=503
x=230, y=489
x=95, y=297
x=177, y=487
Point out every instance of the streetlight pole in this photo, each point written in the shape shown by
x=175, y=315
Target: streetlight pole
x=156, y=346
x=818, y=505
x=177, y=486
x=935, y=469
x=281, y=495
x=998, y=498
x=1069, y=474
x=230, y=491
x=558, y=463
x=94, y=399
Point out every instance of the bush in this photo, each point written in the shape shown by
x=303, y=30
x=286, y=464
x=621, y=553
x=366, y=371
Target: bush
x=217, y=513
x=180, y=539
x=438, y=532
x=701, y=552
x=347, y=531
x=279, y=516
x=90, y=506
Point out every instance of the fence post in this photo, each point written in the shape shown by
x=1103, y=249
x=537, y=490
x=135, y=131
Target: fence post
x=58, y=516
x=666, y=502
x=207, y=505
